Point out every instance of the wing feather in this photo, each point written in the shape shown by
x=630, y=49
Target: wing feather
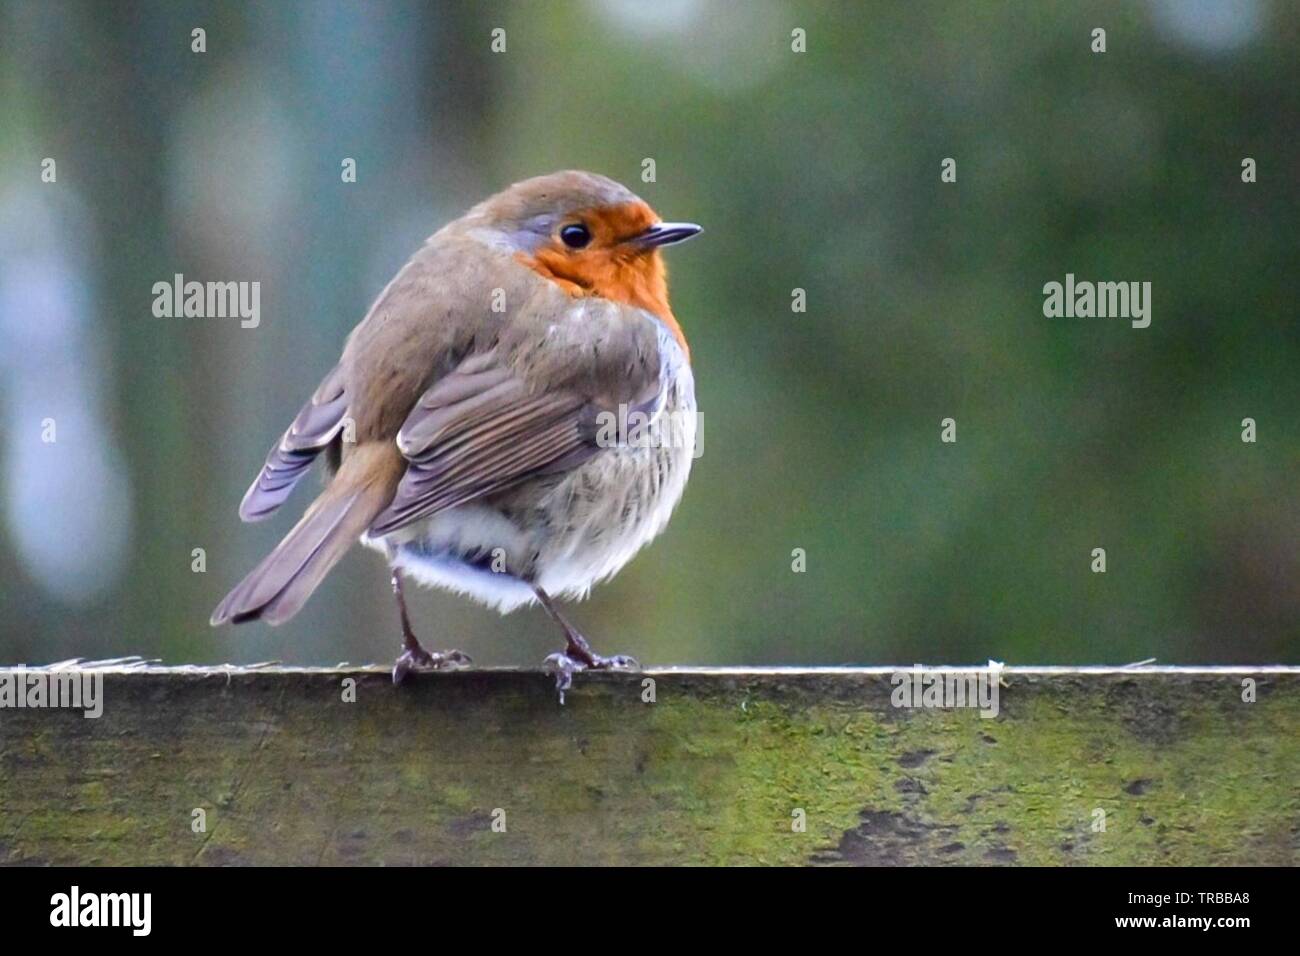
x=478, y=432
x=316, y=425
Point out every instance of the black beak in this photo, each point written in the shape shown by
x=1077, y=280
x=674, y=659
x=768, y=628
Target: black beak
x=667, y=233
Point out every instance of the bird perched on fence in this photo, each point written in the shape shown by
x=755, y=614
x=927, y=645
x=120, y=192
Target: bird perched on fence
x=512, y=420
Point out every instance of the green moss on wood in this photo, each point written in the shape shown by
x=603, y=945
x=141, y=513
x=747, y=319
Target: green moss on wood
x=287, y=772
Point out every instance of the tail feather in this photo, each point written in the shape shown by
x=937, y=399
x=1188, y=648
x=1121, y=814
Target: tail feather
x=280, y=585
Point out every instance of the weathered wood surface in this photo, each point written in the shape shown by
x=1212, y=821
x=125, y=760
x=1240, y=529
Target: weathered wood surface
x=713, y=771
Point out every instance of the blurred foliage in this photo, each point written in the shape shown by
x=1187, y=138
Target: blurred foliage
x=821, y=429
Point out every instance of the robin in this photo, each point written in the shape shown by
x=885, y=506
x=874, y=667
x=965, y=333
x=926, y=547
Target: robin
x=512, y=420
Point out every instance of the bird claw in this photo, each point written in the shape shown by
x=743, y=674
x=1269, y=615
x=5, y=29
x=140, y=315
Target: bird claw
x=419, y=659
x=617, y=662
x=564, y=666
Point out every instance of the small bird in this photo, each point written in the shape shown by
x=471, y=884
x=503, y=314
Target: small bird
x=513, y=419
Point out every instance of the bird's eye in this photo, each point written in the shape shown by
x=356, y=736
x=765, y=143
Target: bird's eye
x=575, y=235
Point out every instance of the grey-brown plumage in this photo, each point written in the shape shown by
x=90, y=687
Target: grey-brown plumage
x=462, y=420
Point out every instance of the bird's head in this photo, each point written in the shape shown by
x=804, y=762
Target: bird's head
x=586, y=233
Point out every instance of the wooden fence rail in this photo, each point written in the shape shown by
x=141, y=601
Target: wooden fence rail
x=277, y=765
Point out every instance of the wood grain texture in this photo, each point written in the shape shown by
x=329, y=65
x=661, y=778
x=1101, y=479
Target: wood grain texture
x=712, y=771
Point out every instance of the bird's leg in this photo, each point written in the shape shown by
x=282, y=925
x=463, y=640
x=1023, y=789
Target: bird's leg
x=577, y=654
x=414, y=656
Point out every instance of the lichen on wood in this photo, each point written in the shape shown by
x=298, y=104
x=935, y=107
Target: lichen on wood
x=1081, y=766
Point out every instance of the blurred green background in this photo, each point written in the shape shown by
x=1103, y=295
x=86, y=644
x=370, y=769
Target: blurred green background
x=818, y=171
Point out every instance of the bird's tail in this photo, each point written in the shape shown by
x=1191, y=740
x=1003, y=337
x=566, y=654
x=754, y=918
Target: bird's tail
x=276, y=589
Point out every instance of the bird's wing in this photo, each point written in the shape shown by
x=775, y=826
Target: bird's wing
x=317, y=424
x=482, y=429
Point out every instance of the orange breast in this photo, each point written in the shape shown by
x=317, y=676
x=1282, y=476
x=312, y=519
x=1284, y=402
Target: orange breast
x=611, y=270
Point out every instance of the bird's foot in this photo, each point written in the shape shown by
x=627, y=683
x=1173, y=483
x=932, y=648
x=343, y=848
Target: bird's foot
x=418, y=659
x=577, y=657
